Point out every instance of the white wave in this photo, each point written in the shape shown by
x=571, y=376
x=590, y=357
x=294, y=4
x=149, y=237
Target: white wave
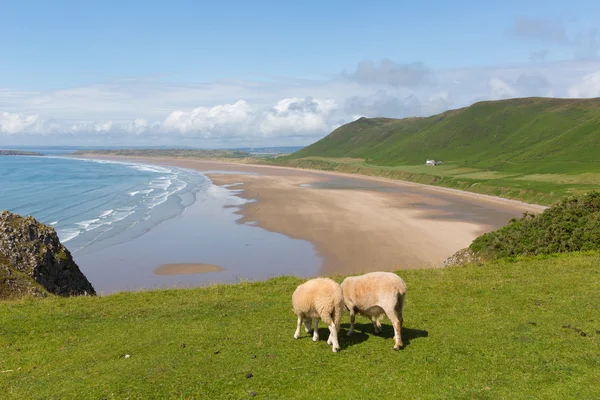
x=163, y=183
x=53, y=223
x=149, y=168
x=118, y=216
x=146, y=191
x=85, y=225
x=67, y=234
x=106, y=213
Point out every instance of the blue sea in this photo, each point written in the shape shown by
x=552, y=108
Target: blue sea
x=121, y=220
x=94, y=204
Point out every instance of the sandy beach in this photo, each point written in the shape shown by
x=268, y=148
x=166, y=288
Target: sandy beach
x=358, y=223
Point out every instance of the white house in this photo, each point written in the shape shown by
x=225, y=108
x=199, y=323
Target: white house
x=432, y=162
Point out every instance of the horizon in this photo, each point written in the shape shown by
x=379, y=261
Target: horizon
x=274, y=75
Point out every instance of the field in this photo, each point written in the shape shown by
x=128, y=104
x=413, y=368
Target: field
x=522, y=329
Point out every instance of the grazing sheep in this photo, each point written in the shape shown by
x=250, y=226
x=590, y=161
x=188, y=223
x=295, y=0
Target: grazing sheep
x=373, y=295
x=319, y=298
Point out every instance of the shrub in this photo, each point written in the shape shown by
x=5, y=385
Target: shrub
x=572, y=224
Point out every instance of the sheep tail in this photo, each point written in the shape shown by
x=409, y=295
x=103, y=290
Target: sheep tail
x=337, y=316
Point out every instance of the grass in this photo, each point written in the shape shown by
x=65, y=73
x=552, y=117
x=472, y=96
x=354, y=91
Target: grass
x=503, y=330
x=533, y=149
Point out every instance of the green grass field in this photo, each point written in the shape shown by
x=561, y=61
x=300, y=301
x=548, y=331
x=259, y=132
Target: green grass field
x=533, y=149
x=523, y=329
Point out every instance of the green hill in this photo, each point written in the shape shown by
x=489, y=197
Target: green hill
x=525, y=135
x=535, y=149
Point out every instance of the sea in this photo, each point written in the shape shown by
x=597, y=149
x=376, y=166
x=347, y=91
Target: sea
x=93, y=204
x=120, y=220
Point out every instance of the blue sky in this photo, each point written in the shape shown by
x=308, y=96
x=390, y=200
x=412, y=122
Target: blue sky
x=264, y=72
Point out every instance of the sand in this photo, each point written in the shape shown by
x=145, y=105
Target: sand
x=186, y=269
x=357, y=223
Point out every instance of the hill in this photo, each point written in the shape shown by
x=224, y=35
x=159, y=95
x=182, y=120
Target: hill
x=19, y=153
x=524, y=329
x=157, y=152
x=533, y=149
x=523, y=135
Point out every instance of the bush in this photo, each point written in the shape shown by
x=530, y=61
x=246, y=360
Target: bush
x=572, y=224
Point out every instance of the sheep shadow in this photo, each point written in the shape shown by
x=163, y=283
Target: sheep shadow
x=344, y=341
x=362, y=332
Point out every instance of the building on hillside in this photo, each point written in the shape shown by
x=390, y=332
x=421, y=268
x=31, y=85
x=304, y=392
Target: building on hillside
x=432, y=162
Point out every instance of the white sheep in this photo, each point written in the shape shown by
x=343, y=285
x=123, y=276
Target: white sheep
x=373, y=295
x=319, y=298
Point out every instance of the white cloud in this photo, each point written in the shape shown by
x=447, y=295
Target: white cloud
x=500, y=89
x=297, y=116
x=220, y=119
x=588, y=86
x=270, y=112
x=138, y=126
x=12, y=123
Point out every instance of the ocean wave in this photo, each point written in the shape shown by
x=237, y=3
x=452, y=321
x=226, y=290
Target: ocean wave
x=150, y=168
x=106, y=213
x=101, y=205
x=89, y=224
x=67, y=234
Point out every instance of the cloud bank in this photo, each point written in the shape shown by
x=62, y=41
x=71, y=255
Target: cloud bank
x=278, y=112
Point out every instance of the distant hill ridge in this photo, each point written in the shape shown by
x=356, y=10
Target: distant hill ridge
x=543, y=135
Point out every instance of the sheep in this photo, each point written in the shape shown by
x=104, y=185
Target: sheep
x=374, y=294
x=319, y=298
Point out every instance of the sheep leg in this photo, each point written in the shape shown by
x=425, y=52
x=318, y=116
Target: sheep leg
x=316, y=329
x=376, y=325
x=297, y=334
x=391, y=314
x=307, y=325
x=333, y=337
x=352, y=318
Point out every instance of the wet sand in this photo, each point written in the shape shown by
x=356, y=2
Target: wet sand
x=358, y=223
x=186, y=269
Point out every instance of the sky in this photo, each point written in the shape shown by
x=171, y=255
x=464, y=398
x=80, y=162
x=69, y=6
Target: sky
x=259, y=73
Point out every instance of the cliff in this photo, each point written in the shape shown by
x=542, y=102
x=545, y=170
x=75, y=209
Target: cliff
x=34, y=262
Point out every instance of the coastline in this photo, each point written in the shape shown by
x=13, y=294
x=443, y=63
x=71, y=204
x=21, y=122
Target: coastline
x=356, y=223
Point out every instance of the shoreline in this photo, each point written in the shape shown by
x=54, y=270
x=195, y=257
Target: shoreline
x=231, y=166
x=356, y=223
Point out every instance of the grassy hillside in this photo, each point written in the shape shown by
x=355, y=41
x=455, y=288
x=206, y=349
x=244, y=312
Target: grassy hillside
x=519, y=135
x=535, y=149
x=524, y=329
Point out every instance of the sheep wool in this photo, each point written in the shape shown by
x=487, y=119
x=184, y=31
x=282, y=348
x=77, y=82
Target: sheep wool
x=373, y=295
x=319, y=299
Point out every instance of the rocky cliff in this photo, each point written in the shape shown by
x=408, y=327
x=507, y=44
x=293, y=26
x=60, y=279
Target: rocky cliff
x=34, y=262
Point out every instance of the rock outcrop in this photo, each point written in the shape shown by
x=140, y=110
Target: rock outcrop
x=34, y=262
x=462, y=257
